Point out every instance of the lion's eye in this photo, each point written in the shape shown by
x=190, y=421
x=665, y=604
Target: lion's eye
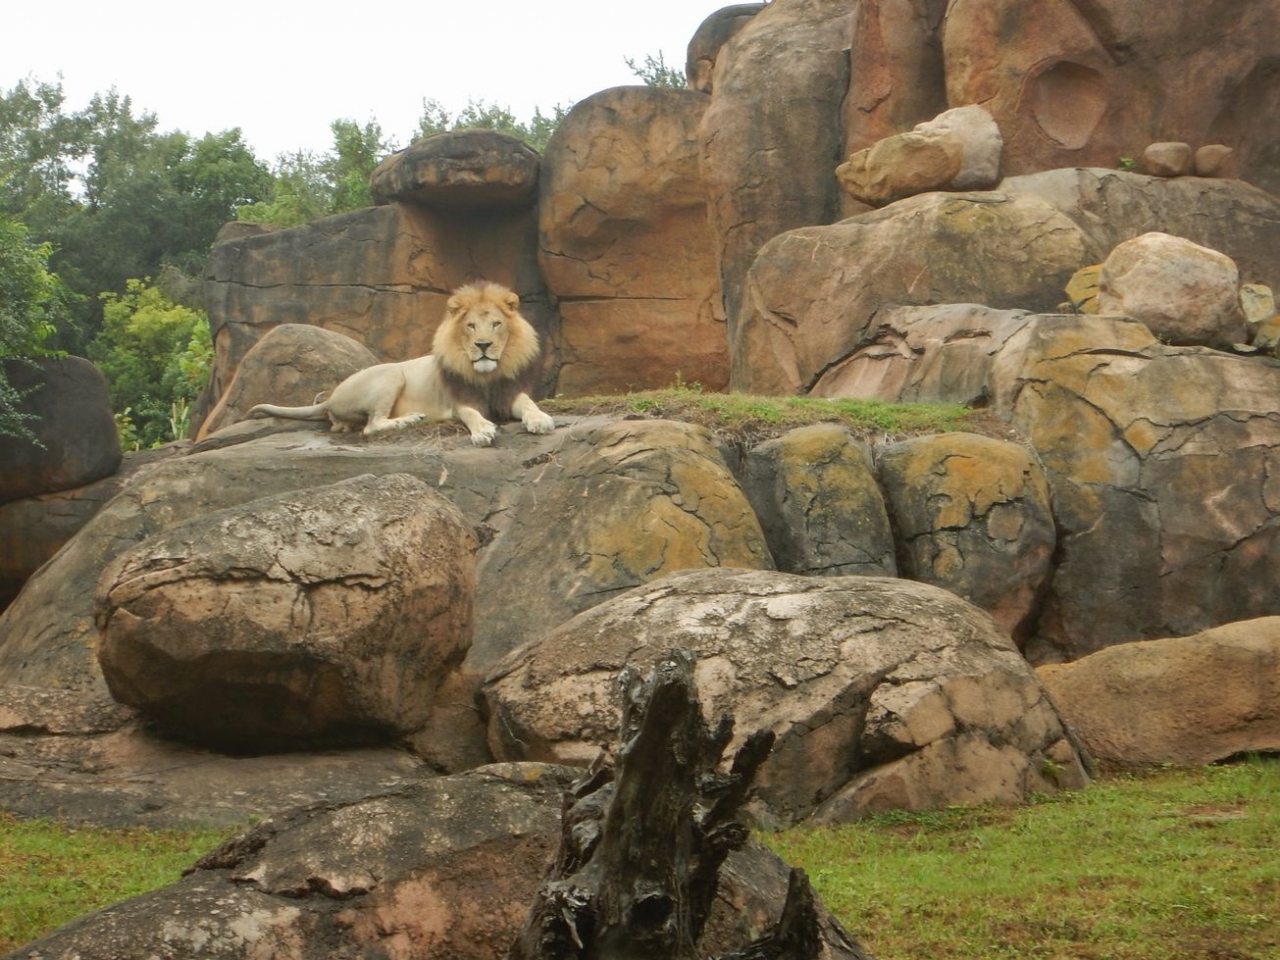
x=471, y=328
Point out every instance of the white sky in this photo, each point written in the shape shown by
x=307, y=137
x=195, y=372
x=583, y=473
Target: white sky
x=282, y=70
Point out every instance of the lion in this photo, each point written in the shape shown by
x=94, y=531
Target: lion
x=480, y=369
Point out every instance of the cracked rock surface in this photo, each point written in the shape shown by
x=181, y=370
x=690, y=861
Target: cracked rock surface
x=883, y=693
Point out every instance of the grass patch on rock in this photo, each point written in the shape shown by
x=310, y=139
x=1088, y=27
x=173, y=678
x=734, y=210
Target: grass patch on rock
x=753, y=418
x=1172, y=863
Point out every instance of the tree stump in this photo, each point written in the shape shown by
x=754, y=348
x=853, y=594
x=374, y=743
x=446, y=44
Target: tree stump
x=644, y=836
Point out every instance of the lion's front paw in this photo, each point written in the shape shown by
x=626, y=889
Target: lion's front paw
x=483, y=436
x=535, y=421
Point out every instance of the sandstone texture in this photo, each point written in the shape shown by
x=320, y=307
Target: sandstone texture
x=472, y=170
x=815, y=493
x=815, y=294
x=1183, y=292
x=625, y=247
x=444, y=868
x=779, y=82
x=76, y=434
x=973, y=516
x=883, y=693
x=712, y=34
x=1187, y=701
x=323, y=615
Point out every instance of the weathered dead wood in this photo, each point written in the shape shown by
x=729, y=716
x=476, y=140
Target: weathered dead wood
x=644, y=837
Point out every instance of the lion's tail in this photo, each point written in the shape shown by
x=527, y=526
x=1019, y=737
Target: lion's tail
x=317, y=411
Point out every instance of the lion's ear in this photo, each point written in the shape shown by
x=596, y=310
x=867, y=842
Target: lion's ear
x=512, y=300
x=453, y=305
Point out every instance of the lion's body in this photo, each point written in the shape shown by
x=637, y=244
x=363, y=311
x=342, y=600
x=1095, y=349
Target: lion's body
x=481, y=368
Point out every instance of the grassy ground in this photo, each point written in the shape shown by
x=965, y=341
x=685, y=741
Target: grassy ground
x=1171, y=864
x=51, y=873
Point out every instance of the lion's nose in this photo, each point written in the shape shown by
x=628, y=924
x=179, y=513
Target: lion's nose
x=484, y=345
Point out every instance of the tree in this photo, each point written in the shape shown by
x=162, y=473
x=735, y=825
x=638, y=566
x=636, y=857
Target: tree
x=155, y=355
x=479, y=115
x=32, y=300
x=656, y=73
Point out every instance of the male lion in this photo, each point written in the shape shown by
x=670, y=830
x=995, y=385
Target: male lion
x=480, y=368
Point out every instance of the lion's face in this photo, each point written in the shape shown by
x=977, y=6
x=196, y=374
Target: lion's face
x=483, y=334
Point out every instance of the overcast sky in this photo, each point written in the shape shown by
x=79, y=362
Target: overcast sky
x=281, y=70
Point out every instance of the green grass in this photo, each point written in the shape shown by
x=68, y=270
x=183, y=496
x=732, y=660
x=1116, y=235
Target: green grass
x=1172, y=864
x=1177, y=863
x=755, y=417
x=51, y=873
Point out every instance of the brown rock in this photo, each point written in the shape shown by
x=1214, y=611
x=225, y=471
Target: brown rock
x=1160, y=461
x=73, y=424
x=1184, y=700
x=1215, y=160
x=816, y=496
x=1184, y=293
x=897, y=76
x=817, y=294
x=472, y=170
x=284, y=368
x=625, y=246
x=1169, y=159
x=1081, y=84
x=771, y=131
x=856, y=676
x=973, y=516
x=712, y=34
x=329, y=614
x=902, y=166
x=1082, y=290
x=445, y=868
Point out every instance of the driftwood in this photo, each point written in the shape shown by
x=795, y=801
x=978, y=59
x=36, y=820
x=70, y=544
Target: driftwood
x=644, y=837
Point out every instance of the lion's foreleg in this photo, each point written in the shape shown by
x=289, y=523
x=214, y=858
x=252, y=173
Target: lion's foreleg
x=531, y=415
x=482, y=430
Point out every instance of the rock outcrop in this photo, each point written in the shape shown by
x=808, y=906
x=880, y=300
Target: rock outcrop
x=882, y=693
x=1187, y=701
x=625, y=247
x=471, y=170
x=75, y=432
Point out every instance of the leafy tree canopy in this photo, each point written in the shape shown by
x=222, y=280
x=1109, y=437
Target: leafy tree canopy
x=31, y=302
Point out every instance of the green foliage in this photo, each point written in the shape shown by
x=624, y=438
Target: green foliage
x=32, y=300
x=307, y=186
x=114, y=196
x=1120, y=870
x=655, y=72
x=478, y=115
x=51, y=873
x=154, y=353
x=752, y=418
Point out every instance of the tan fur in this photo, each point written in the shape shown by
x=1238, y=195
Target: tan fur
x=482, y=341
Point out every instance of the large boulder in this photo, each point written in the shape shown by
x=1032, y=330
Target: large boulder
x=75, y=432
x=771, y=134
x=324, y=615
x=625, y=246
x=445, y=868
x=822, y=513
x=1181, y=700
x=972, y=514
x=883, y=693
x=472, y=170
x=712, y=34
x=284, y=368
x=816, y=294
x=1185, y=293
